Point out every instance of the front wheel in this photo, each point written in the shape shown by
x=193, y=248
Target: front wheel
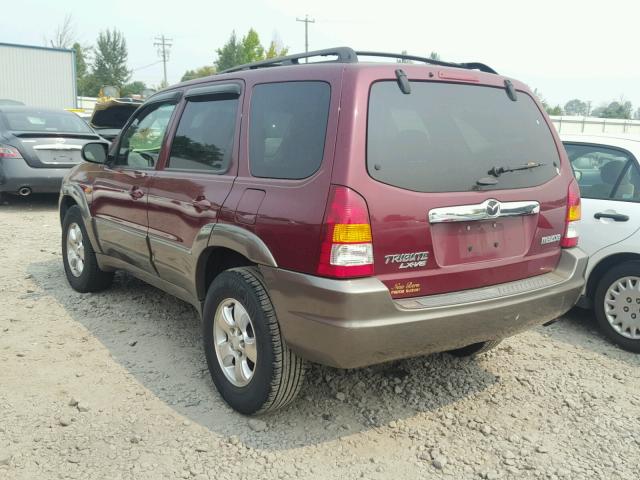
x=251, y=366
x=79, y=258
x=617, y=305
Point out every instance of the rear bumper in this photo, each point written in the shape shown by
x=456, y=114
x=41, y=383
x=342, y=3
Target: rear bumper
x=15, y=173
x=354, y=323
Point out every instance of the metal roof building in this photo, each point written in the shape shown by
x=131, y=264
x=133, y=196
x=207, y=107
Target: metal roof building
x=38, y=76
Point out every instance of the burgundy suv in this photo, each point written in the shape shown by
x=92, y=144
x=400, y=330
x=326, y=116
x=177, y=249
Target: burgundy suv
x=341, y=212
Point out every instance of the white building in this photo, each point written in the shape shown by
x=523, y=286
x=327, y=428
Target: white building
x=38, y=76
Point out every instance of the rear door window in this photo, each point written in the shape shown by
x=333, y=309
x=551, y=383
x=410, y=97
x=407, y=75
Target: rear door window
x=604, y=173
x=287, y=128
x=445, y=137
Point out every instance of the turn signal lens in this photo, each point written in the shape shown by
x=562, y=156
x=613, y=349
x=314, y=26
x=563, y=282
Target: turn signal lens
x=347, y=248
x=355, y=233
x=570, y=238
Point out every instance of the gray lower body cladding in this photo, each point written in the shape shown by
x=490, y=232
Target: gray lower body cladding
x=355, y=323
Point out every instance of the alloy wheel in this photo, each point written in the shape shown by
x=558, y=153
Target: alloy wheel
x=235, y=342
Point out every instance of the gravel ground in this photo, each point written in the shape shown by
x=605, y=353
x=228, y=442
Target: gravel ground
x=114, y=385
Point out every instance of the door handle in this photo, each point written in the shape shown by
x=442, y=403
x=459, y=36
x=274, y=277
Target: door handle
x=618, y=217
x=201, y=204
x=136, y=193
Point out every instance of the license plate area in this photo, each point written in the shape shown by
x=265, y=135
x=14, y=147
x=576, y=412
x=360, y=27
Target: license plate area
x=59, y=157
x=477, y=241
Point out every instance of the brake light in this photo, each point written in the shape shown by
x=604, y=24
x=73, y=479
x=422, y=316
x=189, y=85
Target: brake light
x=7, y=151
x=570, y=237
x=347, y=249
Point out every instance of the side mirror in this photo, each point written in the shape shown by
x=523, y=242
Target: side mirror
x=95, y=152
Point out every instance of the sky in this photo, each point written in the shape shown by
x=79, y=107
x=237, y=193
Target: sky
x=564, y=48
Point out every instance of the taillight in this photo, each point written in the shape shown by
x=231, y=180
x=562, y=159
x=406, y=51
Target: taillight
x=347, y=248
x=7, y=151
x=570, y=237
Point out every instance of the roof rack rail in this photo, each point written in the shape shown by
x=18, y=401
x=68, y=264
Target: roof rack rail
x=343, y=54
x=470, y=65
x=348, y=55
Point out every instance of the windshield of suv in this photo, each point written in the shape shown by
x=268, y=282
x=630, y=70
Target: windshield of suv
x=44, y=121
x=444, y=137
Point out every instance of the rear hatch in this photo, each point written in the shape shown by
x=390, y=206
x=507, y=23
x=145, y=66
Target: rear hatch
x=465, y=187
x=47, y=138
x=108, y=118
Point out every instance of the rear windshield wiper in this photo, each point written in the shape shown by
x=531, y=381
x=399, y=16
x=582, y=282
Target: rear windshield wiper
x=497, y=171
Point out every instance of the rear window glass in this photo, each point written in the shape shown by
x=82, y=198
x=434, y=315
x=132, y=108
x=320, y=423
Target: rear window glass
x=444, y=137
x=287, y=129
x=35, y=121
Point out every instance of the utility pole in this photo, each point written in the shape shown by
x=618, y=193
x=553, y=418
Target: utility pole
x=306, y=21
x=163, y=45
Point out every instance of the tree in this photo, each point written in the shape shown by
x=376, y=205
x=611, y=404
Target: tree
x=403, y=60
x=205, y=71
x=133, y=88
x=615, y=109
x=248, y=50
x=276, y=50
x=637, y=116
x=576, y=107
x=434, y=56
x=110, y=65
x=251, y=48
x=64, y=35
x=231, y=53
x=557, y=110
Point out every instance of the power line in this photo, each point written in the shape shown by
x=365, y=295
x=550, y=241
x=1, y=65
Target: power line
x=163, y=44
x=306, y=21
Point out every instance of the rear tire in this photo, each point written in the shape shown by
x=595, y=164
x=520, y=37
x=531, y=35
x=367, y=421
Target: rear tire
x=78, y=256
x=616, y=291
x=270, y=375
x=475, y=349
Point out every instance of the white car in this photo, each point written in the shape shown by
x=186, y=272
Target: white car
x=608, y=171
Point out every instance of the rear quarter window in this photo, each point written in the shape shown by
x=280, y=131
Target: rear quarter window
x=443, y=137
x=287, y=128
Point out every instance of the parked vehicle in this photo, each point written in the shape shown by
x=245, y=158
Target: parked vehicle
x=340, y=212
x=38, y=147
x=109, y=116
x=608, y=173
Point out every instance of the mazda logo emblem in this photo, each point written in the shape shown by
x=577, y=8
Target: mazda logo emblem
x=493, y=208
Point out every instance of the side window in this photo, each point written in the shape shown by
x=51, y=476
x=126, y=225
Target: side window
x=204, y=139
x=603, y=173
x=141, y=142
x=629, y=186
x=287, y=128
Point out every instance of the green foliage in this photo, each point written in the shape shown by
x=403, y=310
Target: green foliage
x=231, y=53
x=205, y=71
x=247, y=50
x=273, y=51
x=110, y=65
x=81, y=61
x=133, y=88
x=576, y=107
x=615, y=109
x=637, y=115
x=251, y=47
x=89, y=86
x=434, y=56
x=557, y=110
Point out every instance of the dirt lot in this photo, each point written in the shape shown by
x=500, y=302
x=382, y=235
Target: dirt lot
x=115, y=386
